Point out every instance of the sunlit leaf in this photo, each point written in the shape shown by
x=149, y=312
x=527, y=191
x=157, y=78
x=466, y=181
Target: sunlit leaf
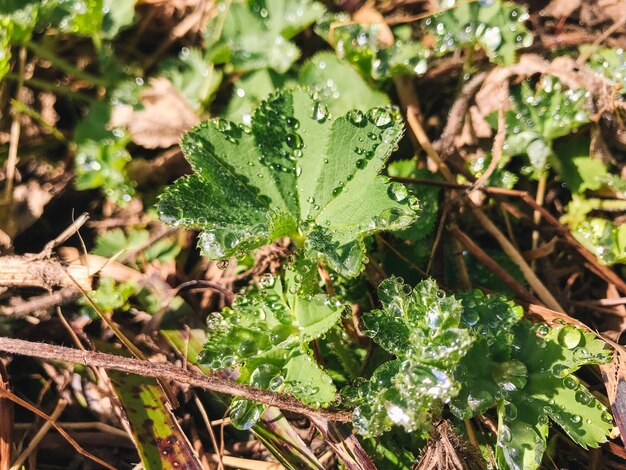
x=421, y=327
x=360, y=44
x=255, y=34
x=496, y=26
x=295, y=173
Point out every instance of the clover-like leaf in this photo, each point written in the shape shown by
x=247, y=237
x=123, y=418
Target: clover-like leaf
x=497, y=27
x=421, y=327
x=338, y=85
x=295, y=173
x=531, y=381
x=360, y=44
x=266, y=333
x=538, y=117
x=254, y=34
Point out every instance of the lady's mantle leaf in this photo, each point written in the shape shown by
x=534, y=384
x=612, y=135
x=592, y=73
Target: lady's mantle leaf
x=421, y=328
x=295, y=173
x=528, y=373
x=266, y=334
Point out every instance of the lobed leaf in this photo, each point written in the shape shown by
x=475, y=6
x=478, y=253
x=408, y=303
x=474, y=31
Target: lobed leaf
x=421, y=327
x=266, y=333
x=294, y=173
x=538, y=117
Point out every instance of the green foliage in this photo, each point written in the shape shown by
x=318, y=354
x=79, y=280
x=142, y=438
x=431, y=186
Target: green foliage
x=421, y=328
x=117, y=15
x=336, y=84
x=578, y=170
x=610, y=63
x=295, y=173
x=527, y=372
x=604, y=238
x=538, y=117
x=115, y=241
x=266, y=334
x=110, y=296
x=428, y=197
x=500, y=178
x=101, y=155
x=498, y=28
x=254, y=34
x=193, y=75
x=361, y=45
x=160, y=441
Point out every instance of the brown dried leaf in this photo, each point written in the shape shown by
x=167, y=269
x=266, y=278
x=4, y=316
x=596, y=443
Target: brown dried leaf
x=165, y=116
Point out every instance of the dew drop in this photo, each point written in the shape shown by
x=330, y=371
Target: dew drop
x=357, y=117
x=380, y=117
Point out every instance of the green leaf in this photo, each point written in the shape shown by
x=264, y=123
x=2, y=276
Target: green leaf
x=528, y=372
x=610, y=63
x=101, y=155
x=296, y=173
x=498, y=28
x=500, y=178
x=18, y=18
x=604, y=238
x=428, y=197
x=538, y=117
x=359, y=44
x=255, y=34
x=117, y=15
x=6, y=28
x=193, y=75
x=579, y=171
x=110, y=296
x=338, y=85
x=158, y=437
x=266, y=333
x=335, y=83
x=252, y=88
x=80, y=17
x=421, y=327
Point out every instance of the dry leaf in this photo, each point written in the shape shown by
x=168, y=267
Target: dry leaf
x=165, y=117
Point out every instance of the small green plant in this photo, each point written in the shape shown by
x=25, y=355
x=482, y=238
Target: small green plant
x=467, y=355
x=496, y=26
x=294, y=173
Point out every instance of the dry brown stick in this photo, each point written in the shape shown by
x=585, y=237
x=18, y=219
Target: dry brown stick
x=20, y=271
x=12, y=159
x=41, y=303
x=61, y=238
x=6, y=422
x=14, y=398
x=166, y=371
x=508, y=248
x=41, y=433
x=491, y=264
x=456, y=116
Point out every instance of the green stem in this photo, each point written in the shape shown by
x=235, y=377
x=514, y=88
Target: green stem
x=64, y=65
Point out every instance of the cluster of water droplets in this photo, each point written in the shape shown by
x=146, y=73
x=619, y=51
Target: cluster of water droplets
x=452, y=31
